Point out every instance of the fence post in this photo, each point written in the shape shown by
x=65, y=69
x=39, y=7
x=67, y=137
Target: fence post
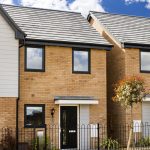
x=34, y=136
x=37, y=143
x=98, y=144
x=17, y=143
x=45, y=137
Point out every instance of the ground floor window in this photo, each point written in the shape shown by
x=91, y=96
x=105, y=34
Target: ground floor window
x=34, y=115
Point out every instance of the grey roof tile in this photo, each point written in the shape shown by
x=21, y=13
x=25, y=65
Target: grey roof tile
x=54, y=25
x=127, y=29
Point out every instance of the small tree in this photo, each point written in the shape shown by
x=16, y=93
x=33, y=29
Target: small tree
x=130, y=91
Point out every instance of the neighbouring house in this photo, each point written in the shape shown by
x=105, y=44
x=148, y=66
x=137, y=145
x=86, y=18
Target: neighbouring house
x=130, y=55
x=53, y=71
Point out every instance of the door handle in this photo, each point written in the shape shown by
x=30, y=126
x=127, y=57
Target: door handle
x=72, y=131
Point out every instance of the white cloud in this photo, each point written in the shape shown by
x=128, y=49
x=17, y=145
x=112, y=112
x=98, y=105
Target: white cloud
x=139, y=1
x=53, y=4
x=134, y=1
x=84, y=6
x=148, y=4
x=6, y=2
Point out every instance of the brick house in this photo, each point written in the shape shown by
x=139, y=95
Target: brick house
x=53, y=66
x=130, y=55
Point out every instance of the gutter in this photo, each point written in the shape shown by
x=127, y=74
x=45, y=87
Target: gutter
x=17, y=100
x=68, y=44
x=136, y=45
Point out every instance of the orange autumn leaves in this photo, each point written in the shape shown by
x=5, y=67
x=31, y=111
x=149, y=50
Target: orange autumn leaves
x=130, y=90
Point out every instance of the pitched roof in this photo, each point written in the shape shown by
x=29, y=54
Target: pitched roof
x=127, y=29
x=53, y=25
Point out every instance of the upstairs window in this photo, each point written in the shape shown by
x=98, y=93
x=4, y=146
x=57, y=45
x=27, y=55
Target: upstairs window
x=34, y=59
x=34, y=115
x=81, y=61
x=145, y=61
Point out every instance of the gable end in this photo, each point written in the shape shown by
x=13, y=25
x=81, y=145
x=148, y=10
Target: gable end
x=19, y=34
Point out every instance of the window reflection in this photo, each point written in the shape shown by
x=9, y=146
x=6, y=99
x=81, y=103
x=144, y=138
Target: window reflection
x=81, y=61
x=34, y=116
x=145, y=61
x=34, y=58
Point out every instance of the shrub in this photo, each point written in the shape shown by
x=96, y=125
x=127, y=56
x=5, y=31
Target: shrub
x=143, y=142
x=8, y=141
x=109, y=144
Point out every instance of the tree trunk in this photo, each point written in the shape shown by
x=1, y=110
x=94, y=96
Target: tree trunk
x=131, y=131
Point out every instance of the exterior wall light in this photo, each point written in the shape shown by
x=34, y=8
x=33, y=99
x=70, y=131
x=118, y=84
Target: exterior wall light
x=52, y=112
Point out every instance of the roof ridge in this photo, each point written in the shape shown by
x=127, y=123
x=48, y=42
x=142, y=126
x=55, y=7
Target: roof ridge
x=21, y=6
x=121, y=15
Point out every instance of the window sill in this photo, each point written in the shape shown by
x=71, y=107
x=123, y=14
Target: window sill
x=42, y=126
x=81, y=72
x=142, y=71
x=34, y=70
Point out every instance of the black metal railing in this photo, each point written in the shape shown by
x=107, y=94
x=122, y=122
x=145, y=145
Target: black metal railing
x=83, y=137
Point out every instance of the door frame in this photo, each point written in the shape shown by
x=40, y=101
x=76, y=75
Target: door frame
x=78, y=122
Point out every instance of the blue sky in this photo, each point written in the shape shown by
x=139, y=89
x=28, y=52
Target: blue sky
x=119, y=6
x=130, y=7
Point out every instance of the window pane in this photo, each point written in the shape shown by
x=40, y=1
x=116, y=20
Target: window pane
x=34, y=116
x=145, y=61
x=34, y=58
x=81, y=61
